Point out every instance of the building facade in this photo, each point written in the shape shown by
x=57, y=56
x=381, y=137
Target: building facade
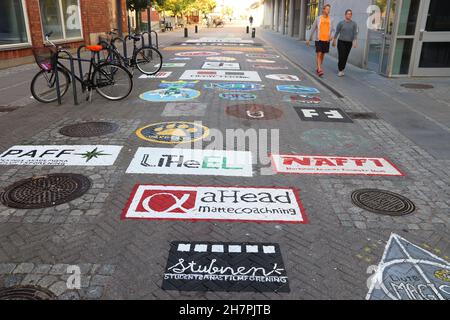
x=23, y=24
x=396, y=37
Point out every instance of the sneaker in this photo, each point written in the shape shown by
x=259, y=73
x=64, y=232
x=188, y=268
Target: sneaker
x=340, y=73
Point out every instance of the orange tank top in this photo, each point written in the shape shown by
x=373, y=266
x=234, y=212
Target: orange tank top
x=325, y=25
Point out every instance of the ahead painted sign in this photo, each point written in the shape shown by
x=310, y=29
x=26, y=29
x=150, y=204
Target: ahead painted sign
x=250, y=204
x=191, y=161
x=220, y=75
x=51, y=155
x=308, y=164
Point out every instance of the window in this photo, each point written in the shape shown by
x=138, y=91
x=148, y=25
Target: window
x=62, y=17
x=13, y=23
x=312, y=11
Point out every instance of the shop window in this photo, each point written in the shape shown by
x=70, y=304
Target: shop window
x=13, y=23
x=312, y=11
x=62, y=17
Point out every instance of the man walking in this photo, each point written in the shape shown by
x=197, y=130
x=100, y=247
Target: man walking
x=250, y=20
x=347, y=31
x=322, y=31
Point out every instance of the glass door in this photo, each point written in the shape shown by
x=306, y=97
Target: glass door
x=432, y=56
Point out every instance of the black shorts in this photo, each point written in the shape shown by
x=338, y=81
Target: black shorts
x=323, y=46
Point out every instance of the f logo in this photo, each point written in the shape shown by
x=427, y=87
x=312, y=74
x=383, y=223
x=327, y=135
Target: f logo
x=159, y=201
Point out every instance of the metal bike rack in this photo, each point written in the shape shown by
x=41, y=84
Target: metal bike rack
x=156, y=37
x=113, y=41
x=150, y=39
x=72, y=75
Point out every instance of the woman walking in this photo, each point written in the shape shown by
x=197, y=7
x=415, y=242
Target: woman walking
x=347, y=32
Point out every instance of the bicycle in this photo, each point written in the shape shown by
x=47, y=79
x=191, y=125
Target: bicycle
x=113, y=82
x=147, y=59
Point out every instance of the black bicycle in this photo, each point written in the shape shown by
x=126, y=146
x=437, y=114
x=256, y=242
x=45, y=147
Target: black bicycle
x=146, y=58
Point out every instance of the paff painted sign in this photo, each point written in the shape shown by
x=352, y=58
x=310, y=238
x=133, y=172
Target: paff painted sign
x=249, y=204
x=221, y=75
x=221, y=65
x=408, y=272
x=171, y=65
x=309, y=164
x=159, y=75
x=173, y=132
x=51, y=155
x=322, y=114
x=283, y=77
x=297, y=89
x=170, y=94
x=191, y=161
x=236, y=86
x=196, y=54
x=177, y=84
x=237, y=96
x=226, y=59
x=218, y=266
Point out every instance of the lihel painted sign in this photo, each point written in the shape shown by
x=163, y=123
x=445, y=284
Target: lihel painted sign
x=234, y=86
x=191, y=162
x=408, y=272
x=173, y=132
x=221, y=65
x=60, y=155
x=237, y=96
x=170, y=94
x=230, y=266
x=159, y=75
x=244, y=204
x=297, y=89
x=311, y=164
x=322, y=114
x=220, y=75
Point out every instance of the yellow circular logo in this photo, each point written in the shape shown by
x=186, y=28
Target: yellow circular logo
x=173, y=132
x=443, y=275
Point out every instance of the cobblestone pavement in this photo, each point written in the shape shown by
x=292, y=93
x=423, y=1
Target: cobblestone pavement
x=326, y=258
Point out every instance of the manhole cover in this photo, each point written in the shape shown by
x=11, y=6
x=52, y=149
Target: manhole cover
x=382, y=202
x=45, y=191
x=362, y=115
x=26, y=293
x=89, y=129
x=417, y=86
x=254, y=111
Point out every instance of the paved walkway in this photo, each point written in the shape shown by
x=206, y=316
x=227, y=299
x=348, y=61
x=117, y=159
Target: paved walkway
x=326, y=258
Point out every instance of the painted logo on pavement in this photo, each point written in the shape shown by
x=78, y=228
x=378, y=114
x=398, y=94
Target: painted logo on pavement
x=173, y=132
x=170, y=94
x=297, y=89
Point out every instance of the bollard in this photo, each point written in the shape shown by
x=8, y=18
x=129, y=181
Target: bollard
x=185, y=32
x=248, y=29
x=196, y=29
x=253, y=32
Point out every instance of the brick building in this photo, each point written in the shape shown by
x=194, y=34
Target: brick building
x=23, y=24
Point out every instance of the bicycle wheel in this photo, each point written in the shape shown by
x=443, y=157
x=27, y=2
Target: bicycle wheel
x=148, y=60
x=112, y=82
x=43, y=86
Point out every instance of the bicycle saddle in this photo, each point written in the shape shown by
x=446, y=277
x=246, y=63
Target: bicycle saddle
x=95, y=48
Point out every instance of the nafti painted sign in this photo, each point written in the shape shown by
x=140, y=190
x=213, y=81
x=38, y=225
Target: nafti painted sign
x=310, y=164
x=245, y=204
x=171, y=65
x=283, y=77
x=177, y=84
x=408, y=272
x=184, y=109
x=297, y=89
x=226, y=59
x=269, y=67
x=260, y=61
x=170, y=94
x=262, y=56
x=56, y=155
x=305, y=99
x=234, y=86
x=237, y=96
x=221, y=65
x=322, y=114
x=221, y=75
x=218, y=266
x=173, y=132
x=159, y=75
x=191, y=162
x=196, y=54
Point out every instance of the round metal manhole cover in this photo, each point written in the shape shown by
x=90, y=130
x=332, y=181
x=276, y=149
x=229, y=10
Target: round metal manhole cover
x=45, y=191
x=382, y=202
x=254, y=111
x=417, y=86
x=26, y=293
x=89, y=129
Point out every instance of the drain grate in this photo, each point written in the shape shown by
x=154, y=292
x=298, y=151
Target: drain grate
x=26, y=293
x=382, y=202
x=417, y=86
x=46, y=191
x=89, y=129
x=363, y=115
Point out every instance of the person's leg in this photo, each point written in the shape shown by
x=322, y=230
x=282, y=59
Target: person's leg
x=341, y=54
x=347, y=48
x=318, y=60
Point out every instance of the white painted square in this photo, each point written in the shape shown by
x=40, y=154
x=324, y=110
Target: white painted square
x=269, y=249
x=221, y=65
x=234, y=249
x=252, y=249
x=217, y=248
x=221, y=75
x=201, y=248
x=184, y=247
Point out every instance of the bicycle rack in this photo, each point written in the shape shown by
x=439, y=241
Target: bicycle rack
x=125, y=51
x=74, y=81
x=150, y=40
x=157, y=40
x=113, y=41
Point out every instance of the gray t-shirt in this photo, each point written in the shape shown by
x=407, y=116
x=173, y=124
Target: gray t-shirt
x=346, y=30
